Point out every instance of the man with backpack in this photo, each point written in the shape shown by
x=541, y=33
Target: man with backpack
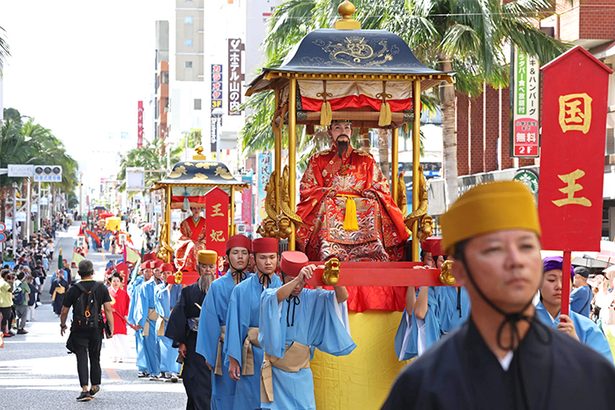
x=21, y=291
x=87, y=298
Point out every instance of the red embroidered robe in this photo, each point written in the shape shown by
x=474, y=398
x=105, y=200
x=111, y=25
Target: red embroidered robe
x=326, y=185
x=191, y=241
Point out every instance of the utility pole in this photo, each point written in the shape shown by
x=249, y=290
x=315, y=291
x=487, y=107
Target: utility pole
x=28, y=209
x=14, y=217
x=38, y=207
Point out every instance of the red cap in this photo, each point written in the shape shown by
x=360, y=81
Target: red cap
x=147, y=265
x=292, y=262
x=433, y=246
x=265, y=245
x=167, y=267
x=239, y=241
x=157, y=263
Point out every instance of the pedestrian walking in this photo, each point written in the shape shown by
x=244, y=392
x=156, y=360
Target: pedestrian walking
x=21, y=290
x=87, y=298
x=6, y=302
x=57, y=290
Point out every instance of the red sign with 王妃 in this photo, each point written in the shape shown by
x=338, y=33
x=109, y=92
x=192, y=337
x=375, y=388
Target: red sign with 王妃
x=574, y=107
x=217, y=222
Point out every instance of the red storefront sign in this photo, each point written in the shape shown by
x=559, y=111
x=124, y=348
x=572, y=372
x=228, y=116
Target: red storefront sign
x=572, y=159
x=525, y=141
x=217, y=222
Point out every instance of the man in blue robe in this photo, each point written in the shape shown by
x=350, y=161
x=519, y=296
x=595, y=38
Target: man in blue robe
x=435, y=311
x=581, y=296
x=293, y=322
x=146, y=317
x=169, y=367
x=576, y=325
x=133, y=293
x=242, y=351
x=503, y=357
x=183, y=330
x=212, y=322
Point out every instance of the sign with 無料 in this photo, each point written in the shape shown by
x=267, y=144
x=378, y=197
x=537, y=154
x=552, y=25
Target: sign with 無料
x=235, y=76
x=574, y=110
x=525, y=141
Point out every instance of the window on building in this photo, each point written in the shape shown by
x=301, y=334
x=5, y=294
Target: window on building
x=164, y=78
x=188, y=20
x=197, y=103
x=188, y=42
x=188, y=64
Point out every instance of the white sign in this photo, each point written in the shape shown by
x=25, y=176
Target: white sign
x=47, y=173
x=525, y=141
x=135, y=179
x=20, y=170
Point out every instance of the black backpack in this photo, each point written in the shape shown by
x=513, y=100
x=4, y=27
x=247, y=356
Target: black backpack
x=86, y=310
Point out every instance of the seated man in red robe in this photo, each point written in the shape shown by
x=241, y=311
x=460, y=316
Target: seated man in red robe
x=191, y=241
x=348, y=212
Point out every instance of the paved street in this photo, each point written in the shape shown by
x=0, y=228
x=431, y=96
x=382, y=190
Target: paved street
x=37, y=373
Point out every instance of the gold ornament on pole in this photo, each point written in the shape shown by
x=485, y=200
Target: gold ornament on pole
x=346, y=10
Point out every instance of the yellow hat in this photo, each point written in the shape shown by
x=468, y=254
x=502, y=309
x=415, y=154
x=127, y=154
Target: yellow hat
x=208, y=257
x=486, y=208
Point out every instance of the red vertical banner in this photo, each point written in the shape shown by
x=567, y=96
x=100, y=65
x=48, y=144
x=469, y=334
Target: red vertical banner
x=216, y=218
x=246, y=207
x=139, y=124
x=570, y=187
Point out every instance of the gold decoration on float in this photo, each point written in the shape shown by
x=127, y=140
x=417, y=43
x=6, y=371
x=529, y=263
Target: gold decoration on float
x=355, y=51
x=278, y=223
x=331, y=274
x=446, y=274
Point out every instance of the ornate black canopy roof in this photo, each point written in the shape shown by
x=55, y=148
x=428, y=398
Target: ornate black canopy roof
x=358, y=52
x=205, y=173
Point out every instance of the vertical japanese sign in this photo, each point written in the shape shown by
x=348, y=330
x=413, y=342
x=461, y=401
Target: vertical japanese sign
x=525, y=111
x=216, y=105
x=247, y=213
x=572, y=160
x=235, y=75
x=263, y=172
x=139, y=124
x=216, y=215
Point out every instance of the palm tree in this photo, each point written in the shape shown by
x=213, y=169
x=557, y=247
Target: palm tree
x=31, y=143
x=4, y=48
x=468, y=37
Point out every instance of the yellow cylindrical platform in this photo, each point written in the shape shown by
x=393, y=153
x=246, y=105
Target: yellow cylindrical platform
x=363, y=379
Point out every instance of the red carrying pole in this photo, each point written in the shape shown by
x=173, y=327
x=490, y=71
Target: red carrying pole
x=566, y=284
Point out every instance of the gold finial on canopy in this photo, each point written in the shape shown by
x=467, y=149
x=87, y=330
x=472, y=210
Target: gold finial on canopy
x=198, y=156
x=346, y=9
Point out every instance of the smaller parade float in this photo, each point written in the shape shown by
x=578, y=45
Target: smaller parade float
x=205, y=188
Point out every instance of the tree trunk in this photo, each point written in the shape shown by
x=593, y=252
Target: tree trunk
x=383, y=151
x=449, y=134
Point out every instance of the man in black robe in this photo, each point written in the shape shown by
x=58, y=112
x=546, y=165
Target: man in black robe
x=182, y=329
x=502, y=357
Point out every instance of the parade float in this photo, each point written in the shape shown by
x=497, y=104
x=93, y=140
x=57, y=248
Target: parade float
x=371, y=78
x=205, y=188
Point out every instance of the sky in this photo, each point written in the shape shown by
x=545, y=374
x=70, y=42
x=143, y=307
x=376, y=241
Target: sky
x=78, y=67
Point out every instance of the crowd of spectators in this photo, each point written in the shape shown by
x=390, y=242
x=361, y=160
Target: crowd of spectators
x=22, y=275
